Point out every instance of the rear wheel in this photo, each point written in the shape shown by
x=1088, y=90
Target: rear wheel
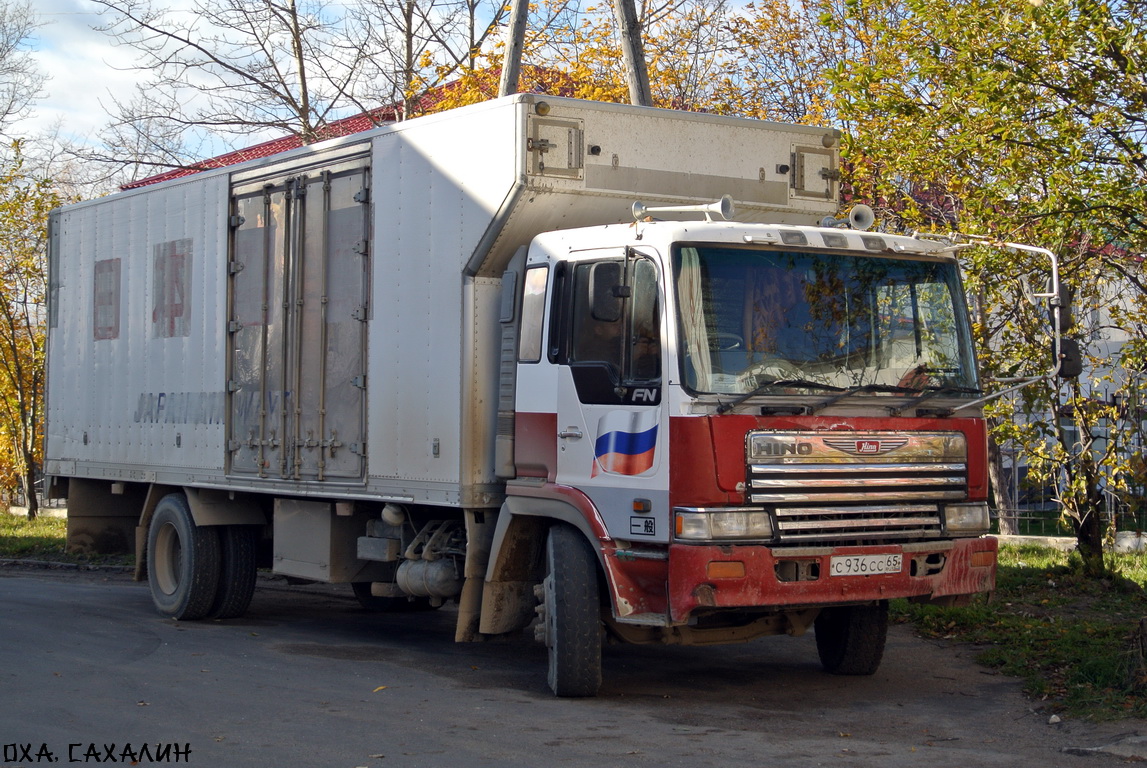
x=850, y=639
x=571, y=614
x=237, y=572
x=183, y=561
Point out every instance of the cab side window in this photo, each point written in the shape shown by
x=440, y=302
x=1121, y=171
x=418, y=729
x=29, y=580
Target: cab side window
x=613, y=325
x=533, y=314
x=644, y=325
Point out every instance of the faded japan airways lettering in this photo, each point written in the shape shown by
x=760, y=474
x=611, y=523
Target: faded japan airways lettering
x=180, y=408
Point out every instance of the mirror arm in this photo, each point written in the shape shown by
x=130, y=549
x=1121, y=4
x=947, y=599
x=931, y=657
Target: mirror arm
x=988, y=398
x=1055, y=298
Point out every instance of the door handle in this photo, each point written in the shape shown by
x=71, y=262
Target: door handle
x=571, y=432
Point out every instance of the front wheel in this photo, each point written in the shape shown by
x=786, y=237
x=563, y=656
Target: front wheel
x=183, y=561
x=571, y=614
x=850, y=639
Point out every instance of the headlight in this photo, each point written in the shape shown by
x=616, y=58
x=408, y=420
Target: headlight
x=967, y=519
x=722, y=524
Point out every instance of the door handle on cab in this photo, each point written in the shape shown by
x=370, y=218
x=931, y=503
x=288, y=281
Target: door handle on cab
x=572, y=433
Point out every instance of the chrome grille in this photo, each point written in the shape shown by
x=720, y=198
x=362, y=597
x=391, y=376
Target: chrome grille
x=874, y=482
x=823, y=492
x=857, y=502
x=907, y=521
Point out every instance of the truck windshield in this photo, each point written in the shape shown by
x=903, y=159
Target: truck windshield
x=818, y=321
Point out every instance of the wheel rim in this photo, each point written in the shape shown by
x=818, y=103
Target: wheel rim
x=167, y=556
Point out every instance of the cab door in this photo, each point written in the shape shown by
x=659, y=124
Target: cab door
x=612, y=430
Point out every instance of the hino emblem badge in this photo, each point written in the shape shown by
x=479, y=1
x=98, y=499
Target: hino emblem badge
x=865, y=446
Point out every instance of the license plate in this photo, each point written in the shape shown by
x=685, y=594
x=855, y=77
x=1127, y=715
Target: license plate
x=864, y=565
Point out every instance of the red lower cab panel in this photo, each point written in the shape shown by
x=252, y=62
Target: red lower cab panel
x=704, y=578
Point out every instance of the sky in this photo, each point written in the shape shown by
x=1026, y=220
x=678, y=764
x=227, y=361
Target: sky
x=84, y=67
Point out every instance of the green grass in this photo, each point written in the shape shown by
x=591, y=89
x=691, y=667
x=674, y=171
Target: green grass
x=43, y=539
x=1068, y=637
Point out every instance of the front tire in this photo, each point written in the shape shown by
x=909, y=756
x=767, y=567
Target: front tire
x=850, y=639
x=571, y=614
x=183, y=561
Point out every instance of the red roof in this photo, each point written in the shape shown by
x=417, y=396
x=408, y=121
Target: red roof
x=540, y=80
x=355, y=124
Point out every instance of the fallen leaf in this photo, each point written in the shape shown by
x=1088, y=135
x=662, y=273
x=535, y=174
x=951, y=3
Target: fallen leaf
x=379, y=688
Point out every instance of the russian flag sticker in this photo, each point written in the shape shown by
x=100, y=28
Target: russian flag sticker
x=626, y=442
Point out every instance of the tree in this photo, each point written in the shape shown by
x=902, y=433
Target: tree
x=783, y=52
x=685, y=43
x=231, y=69
x=25, y=201
x=1023, y=120
x=426, y=43
x=20, y=80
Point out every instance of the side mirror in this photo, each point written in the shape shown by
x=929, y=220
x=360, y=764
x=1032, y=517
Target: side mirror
x=1070, y=362
x=1059, y=310
x=606, y=291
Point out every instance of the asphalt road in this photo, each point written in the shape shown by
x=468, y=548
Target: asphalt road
x=307, y=678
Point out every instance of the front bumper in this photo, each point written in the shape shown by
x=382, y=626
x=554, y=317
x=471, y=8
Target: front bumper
x=708, y=577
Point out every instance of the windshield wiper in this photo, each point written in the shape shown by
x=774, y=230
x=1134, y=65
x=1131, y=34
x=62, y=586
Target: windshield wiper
x=726, y=407
x=922, y=393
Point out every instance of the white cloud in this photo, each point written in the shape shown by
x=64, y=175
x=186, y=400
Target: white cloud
x=83, y=65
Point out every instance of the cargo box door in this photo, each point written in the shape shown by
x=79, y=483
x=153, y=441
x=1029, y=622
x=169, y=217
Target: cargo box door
x=298, y=303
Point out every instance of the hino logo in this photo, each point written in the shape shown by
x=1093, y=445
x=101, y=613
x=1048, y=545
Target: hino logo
x=865, y=446
x=777, y=448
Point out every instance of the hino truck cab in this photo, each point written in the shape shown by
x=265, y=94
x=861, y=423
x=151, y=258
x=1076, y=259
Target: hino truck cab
x=743, y=429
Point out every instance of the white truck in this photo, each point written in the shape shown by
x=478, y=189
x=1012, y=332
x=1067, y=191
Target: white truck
x=451, y=360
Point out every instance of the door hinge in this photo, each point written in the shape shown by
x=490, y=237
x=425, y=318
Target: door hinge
x=362, y=247
x=363, y=195
x=359, y=381
x=234, y=326
x=235, y=267
x=359, y=313
x=237, y=221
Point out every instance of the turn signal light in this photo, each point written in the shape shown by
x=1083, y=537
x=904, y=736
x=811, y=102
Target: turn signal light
x=983, y=559
x=726, y=569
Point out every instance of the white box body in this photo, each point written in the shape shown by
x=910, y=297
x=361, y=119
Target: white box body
x=324, y=323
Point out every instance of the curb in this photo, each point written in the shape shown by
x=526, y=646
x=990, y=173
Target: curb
x=57, y=566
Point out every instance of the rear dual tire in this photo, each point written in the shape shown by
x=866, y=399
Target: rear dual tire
x=198, y=572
